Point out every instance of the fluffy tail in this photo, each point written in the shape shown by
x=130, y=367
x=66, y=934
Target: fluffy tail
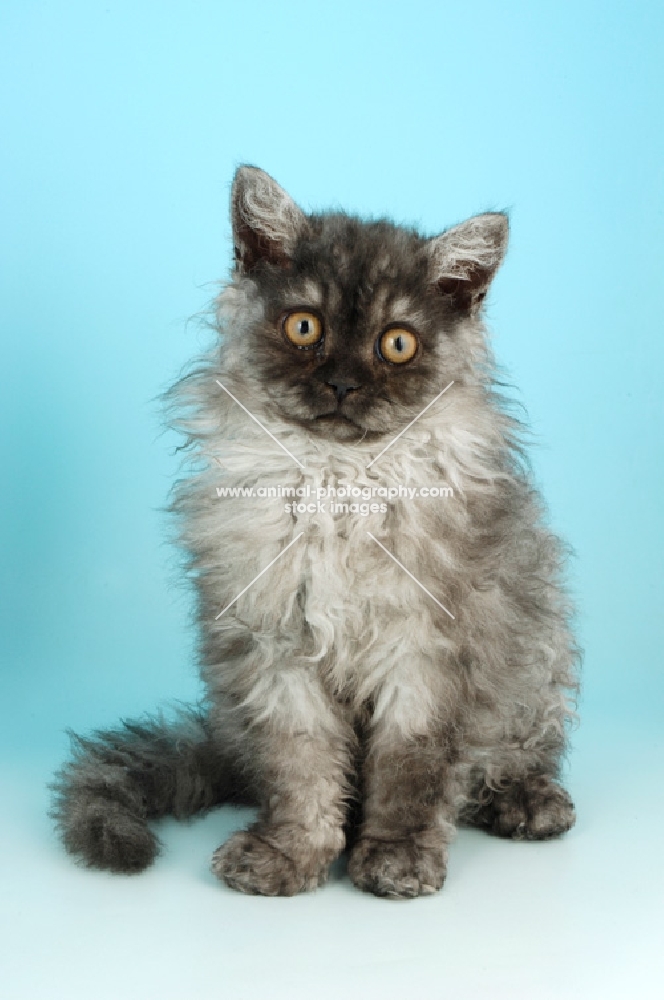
x=120, y=778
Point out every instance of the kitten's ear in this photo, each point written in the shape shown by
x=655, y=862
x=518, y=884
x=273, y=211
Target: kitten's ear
x=465, y=258
x=266, y=221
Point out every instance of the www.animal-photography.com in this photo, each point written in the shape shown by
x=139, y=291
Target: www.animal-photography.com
x=332, y=524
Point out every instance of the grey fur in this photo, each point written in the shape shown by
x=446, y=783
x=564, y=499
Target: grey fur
x=339, y=697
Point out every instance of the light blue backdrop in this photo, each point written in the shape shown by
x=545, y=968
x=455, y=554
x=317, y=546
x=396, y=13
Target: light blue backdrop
x=121, y=124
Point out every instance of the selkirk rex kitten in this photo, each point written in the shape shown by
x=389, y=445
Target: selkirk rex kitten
x=384, y=674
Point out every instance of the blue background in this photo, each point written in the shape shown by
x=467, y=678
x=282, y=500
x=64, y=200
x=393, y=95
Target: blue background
x=122, y=124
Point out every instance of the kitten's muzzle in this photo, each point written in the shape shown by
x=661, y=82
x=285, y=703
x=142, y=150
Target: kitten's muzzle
x=341, y=389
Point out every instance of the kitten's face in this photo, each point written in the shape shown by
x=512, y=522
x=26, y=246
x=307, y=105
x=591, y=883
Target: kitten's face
x=360, y=328
x=354, y=339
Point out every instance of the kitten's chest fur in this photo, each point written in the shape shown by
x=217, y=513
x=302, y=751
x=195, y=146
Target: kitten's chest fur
x=335, y=598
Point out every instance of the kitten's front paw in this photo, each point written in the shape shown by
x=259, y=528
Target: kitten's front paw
x=398, y=869
x=250, y=862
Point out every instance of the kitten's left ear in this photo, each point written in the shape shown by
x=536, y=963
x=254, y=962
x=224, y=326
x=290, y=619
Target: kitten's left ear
x=266, y=221
x=465, y=258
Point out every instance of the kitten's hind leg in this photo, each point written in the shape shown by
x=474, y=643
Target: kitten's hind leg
x=530, y=807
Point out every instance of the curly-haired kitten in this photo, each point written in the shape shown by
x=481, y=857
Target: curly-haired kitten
x=387, y=676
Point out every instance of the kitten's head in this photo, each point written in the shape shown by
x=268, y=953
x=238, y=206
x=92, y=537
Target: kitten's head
x=361, y=323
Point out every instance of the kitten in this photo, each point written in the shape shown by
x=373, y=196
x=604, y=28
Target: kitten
x=383, y=677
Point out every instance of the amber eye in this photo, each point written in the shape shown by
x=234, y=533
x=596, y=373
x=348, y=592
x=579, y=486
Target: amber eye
x=397, y=345
x=304, y=329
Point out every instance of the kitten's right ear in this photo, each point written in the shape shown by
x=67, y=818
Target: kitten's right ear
x=266, y=221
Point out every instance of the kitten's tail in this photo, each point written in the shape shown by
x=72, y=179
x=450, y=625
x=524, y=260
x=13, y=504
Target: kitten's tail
x=120, y=778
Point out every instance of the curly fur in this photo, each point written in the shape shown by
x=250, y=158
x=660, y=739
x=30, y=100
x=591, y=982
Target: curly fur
x=340, y=698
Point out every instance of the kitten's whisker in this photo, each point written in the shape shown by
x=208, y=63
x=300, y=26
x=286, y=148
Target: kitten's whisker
x=421, y=413
x=262, y=427
x=408, y=572
x=258, y=576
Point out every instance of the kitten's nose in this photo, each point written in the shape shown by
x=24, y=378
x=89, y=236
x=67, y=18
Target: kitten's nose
x=341, y=389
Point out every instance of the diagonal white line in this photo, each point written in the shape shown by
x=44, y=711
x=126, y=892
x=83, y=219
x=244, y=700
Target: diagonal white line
x=414, y=578
x=256, y=420
x=421, y=413
x=258, y=577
